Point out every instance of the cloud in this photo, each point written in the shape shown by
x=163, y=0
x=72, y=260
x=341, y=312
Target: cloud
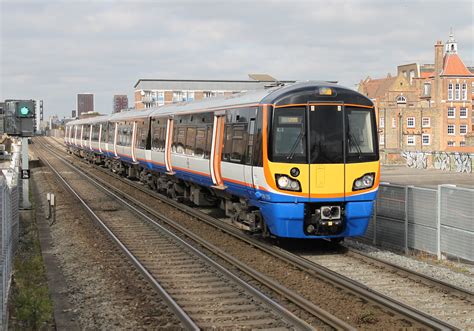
x=55, y=49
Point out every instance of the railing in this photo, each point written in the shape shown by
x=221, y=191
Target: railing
x=438, y=221
x=9, y=213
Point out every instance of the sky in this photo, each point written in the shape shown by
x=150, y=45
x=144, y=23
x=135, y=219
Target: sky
x=53, y=50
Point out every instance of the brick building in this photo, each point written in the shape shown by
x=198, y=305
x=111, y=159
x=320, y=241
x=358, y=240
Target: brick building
x=425, y=107
x=120, y=102
x=85, y=103
x=158, y=92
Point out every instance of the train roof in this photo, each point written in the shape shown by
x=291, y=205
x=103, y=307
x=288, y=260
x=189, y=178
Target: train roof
x=297, y=93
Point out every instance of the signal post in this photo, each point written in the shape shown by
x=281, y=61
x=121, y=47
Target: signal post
x=20, y=122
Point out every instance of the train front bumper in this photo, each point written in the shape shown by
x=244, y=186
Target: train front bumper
x=291, y=219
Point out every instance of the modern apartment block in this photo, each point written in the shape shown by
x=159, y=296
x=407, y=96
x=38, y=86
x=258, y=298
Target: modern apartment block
x=85, y=103
x=426, y=107
x=120, y=102
x=158, y=92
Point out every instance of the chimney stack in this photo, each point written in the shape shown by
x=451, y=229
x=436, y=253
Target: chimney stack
x=438, y=57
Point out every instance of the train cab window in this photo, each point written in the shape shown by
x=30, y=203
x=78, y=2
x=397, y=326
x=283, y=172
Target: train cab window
x=288, y=138
x=360, y=135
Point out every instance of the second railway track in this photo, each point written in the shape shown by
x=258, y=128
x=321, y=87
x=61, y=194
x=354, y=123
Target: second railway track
x=315, y=269
x=203, y=293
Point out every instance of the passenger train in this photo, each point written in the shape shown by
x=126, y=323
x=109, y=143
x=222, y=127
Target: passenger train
x=293, y=161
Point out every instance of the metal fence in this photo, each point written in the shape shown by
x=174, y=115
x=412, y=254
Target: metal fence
x=9, y=213
x=438, y=221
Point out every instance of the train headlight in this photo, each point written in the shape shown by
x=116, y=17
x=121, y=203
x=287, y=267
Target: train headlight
x=286, y=183
x=364, y=182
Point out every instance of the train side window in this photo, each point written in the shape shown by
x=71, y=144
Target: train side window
x=239, y=143
x=111, y=133
x=190, y=140
x=249, y=154
x=207, y=152
x=227, y=150
x=179, y=140
x=103, y=135
x=200, y=142
x=141, y=135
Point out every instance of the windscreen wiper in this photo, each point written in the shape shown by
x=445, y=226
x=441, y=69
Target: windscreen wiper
x=293, y=148
x=353, y=142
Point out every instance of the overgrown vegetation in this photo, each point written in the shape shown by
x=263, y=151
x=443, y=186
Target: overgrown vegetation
x=30, y=304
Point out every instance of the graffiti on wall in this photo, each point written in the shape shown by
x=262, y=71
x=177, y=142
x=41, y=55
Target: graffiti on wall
x=441, y=161
x=463, y=162
x=459, y=162
x=415, y=159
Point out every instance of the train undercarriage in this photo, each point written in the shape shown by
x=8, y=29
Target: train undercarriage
x=237, y=209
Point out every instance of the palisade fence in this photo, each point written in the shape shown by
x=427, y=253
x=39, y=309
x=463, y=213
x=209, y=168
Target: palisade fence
x=438, y=221
x=9, y=213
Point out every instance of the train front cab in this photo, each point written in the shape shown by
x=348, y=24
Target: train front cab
x=322, y=166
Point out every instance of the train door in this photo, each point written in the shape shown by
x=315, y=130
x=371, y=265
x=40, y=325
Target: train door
x=100, y=138
x=115, y=139
x=91, y=132
x=250, y=150
x=168, y=141
x=326, y=150
x=216, y=150
x=133, y=143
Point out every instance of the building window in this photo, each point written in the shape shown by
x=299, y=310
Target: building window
x=426, y=89
x=426, y=122
x=464, y=91
x=463, y=112
x=451, y=129
x=382, y=122
x=410, y=122
x=425, y=138
x=401, y=99
x=161, y=98
x=457, y=93
x=382, y=139
x=190, y=96
x=451, y=143
x=463, y=129
x=394, y=122
x=462, y=143
x=209, y=94
x=412, y=75
x=451, y=112
x=411, y=140
x=178, y=96
x=450, y=91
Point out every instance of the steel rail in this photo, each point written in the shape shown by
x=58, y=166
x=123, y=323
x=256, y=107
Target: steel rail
x=302, y=263
x=180, y=313
x=295, y=298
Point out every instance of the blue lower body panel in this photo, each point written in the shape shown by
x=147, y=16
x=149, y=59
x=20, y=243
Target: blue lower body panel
x=287, y=219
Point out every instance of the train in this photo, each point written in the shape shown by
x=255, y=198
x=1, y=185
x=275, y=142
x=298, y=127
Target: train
x=296, y=160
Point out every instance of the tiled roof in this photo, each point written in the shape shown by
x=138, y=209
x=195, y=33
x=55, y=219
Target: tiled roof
x=453, y=66
x=426, y=74
x=375, y=88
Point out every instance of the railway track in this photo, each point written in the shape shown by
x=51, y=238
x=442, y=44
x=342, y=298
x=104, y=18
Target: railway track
x=404, y=305
x=443, y=300
x=202, y=292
